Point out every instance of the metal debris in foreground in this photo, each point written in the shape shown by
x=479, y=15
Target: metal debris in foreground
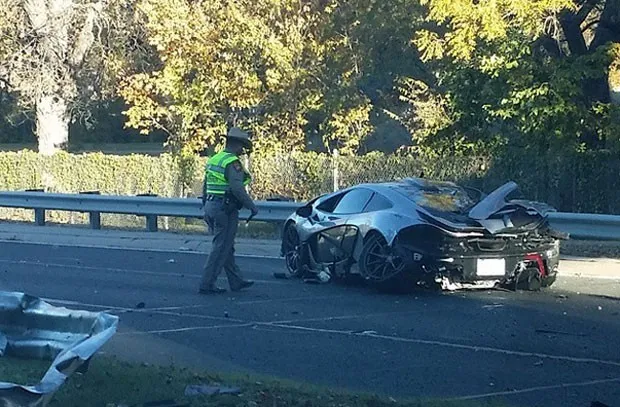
x=30, y=328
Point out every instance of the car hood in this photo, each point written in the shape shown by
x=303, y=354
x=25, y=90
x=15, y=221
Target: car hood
x=494, y=214
x=493, y=202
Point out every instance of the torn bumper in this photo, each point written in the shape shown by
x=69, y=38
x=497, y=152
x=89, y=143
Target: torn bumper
x=32, y=328
x=480, y=269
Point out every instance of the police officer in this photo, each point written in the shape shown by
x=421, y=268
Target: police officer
x=223, y=195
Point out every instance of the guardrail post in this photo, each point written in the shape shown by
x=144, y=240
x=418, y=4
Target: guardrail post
x=39, y=216
x=151, y=223
x=39, y=213
x=151, y=220
x=94, y=217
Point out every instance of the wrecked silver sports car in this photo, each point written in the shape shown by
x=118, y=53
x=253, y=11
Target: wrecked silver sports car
x=418, y=232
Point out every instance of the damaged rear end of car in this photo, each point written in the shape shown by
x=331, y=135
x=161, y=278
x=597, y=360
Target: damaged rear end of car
x=481, y=244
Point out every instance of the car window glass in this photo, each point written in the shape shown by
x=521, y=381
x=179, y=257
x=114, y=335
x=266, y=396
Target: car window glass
x=353, y=202
x=439, y=196
x=377, y=202
x=329, y=204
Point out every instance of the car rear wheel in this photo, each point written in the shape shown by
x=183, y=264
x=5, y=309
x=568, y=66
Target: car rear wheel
x=291, y=250
x=380, y=267
x=530, y=280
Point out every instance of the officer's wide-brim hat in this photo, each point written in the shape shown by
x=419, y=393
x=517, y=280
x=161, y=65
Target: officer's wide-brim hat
x=236, y=133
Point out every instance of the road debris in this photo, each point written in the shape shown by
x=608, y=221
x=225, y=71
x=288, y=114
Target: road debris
x=553, y=332
x=204, y=389
x=71, y=338
x=491, y=306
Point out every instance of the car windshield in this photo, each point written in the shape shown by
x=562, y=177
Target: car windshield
x=439, y=196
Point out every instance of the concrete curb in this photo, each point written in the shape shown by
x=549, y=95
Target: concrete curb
x=170, y=242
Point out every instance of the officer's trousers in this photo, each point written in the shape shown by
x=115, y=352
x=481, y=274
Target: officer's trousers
x=224, y=227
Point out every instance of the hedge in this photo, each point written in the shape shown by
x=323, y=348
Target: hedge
x=64, y=172
x=576, y=182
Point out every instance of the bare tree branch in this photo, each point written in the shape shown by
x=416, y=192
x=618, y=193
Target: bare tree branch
x=590, y=25
x=585, y=10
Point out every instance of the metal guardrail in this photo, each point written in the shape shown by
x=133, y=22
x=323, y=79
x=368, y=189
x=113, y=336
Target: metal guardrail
x=580, y=226
x=586, y=226
x=151, y=207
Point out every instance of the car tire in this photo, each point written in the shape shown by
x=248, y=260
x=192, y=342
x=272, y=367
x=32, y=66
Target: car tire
x=548, y=281
x=290, y=250
x=397, y=281
x=530, y=280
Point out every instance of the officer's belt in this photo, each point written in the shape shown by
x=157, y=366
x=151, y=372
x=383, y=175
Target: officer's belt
x=211, y=197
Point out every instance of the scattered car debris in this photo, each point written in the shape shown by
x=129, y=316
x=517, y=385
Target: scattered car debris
x=209, y=390
x=140, y=305
x=31, y=328
x=160, y=403
x=553, y=332
x=171, y=261
x=423, y=233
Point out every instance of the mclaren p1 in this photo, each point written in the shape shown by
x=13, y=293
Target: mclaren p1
x=423, y=233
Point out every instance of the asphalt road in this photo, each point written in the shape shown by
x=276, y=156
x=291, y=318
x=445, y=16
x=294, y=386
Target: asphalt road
x=555, y=348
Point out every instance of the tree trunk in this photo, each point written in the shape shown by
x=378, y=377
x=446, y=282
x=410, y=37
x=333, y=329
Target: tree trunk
x=52, y=124
x=614, y=83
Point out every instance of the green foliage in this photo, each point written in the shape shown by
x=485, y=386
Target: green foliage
x=294, y=72
x=574, y=181
x=64, y=172
x=504, y=75
x=250, y=62
x=475, y=25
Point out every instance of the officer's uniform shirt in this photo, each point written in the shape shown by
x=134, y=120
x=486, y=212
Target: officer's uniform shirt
x=235, y=175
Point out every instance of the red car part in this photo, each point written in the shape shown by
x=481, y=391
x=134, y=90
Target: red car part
x=538, y=260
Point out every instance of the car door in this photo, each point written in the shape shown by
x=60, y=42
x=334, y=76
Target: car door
x=336, y=238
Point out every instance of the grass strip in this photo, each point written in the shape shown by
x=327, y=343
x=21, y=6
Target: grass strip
x=110, y=382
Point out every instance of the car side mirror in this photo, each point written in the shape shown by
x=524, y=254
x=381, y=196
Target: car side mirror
x=304, y=211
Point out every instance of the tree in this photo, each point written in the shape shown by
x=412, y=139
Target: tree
x=249, y=63
x=294, y=71
x=529, y=72
x=53, y=55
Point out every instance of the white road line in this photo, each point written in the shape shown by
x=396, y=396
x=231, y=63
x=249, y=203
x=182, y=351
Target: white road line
x=165, y=311
x=135, y=249
x=341, y=317
x=314, y=297
x=369, y=334
x=454, y=345
x=139, y=310
x=588, y=276
x=186, y=329
x=537, y=388
x=118, y=270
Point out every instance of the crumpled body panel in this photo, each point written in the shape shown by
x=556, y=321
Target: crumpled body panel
x=31, y=328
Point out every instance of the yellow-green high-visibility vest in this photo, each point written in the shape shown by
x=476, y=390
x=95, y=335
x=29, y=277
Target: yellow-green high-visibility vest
x=215, y=173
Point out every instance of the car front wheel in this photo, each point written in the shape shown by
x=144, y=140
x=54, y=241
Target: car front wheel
x=380, y=267
x=291, y=250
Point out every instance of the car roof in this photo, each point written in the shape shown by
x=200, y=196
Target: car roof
x=406, y=185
